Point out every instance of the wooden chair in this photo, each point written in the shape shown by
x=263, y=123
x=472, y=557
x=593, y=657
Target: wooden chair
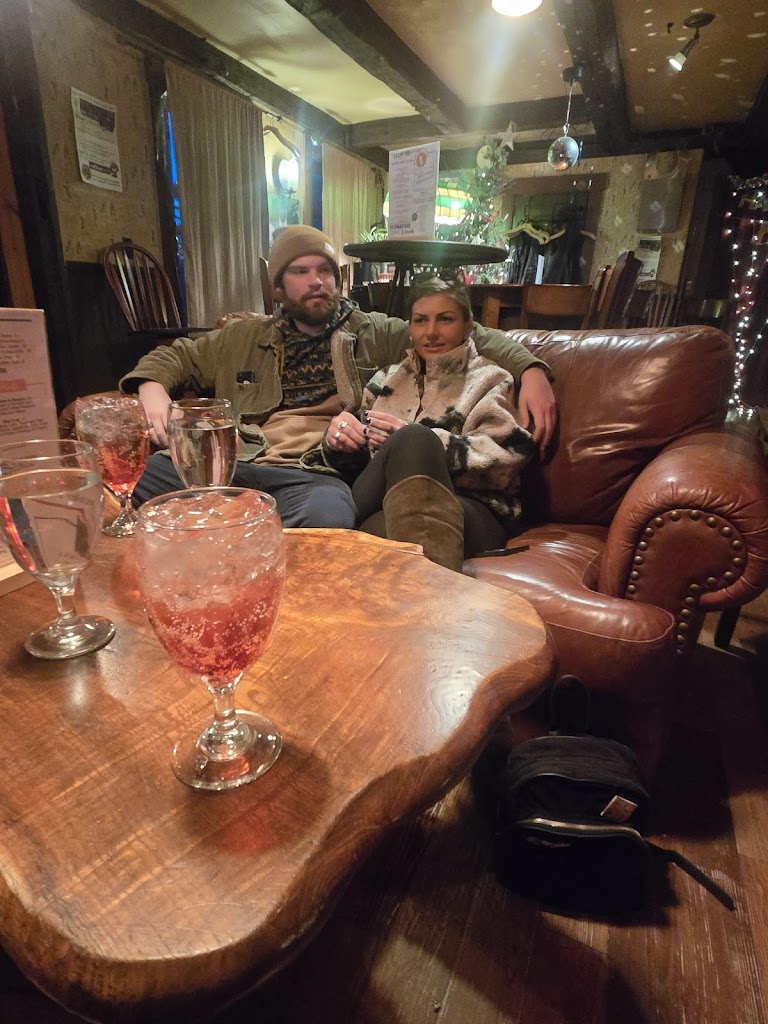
x=662, y=303
x=496, y=299
x=142, y=289
x=653, y=304
x=345, y=270
x=549, y=303
x=379, y=295
x=266, y=287
x=602, y=278
x=612, y=311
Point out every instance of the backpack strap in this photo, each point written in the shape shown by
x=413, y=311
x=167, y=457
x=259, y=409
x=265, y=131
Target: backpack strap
x=673, y=857
x=570, y=707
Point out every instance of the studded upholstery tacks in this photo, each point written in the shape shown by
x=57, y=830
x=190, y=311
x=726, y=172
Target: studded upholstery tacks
x=690, y=602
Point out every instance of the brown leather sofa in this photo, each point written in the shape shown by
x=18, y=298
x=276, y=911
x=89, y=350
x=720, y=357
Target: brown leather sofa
x=649, y=513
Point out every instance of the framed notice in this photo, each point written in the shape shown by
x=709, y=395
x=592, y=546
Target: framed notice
x=413, y=191
x=27, y=407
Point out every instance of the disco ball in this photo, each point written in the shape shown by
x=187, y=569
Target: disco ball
x=563, y=153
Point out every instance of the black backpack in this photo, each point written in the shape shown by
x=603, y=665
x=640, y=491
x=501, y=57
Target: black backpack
x=569, y=813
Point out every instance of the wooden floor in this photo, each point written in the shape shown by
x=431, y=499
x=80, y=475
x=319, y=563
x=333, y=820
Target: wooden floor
x=424, y=934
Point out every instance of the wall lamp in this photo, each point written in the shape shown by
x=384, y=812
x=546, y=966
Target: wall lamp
x=695, y=21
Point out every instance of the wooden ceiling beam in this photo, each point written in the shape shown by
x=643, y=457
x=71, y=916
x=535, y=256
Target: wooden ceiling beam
x=533, y=151
x=365, y=37
x=153, y=34
x=590, y=31
x=756, y=128
x=395, y=132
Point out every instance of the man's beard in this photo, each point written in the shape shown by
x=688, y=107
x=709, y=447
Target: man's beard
x=313, y=313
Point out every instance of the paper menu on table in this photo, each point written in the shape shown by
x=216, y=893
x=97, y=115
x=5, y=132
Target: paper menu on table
x=27, y=406
x=413, y=175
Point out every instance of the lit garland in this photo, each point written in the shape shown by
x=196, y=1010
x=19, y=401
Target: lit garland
x=747, y=223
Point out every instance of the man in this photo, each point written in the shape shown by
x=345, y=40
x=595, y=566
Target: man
x=289, y=374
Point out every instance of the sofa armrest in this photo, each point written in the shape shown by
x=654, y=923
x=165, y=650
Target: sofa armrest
x=691, y=534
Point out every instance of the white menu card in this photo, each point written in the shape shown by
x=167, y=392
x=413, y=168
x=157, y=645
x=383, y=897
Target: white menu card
x=27, y=406
x=413, y=176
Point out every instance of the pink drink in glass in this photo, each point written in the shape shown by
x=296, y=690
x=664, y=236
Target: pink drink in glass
x=211, y=564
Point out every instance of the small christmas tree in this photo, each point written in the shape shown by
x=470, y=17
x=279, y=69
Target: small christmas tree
x=483, y=223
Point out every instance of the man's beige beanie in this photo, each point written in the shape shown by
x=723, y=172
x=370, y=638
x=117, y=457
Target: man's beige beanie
x=299, y=240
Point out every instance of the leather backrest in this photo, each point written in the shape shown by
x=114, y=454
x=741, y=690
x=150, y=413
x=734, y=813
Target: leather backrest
x=622, y=396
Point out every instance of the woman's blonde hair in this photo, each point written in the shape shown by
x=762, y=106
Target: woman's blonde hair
x=436, y=286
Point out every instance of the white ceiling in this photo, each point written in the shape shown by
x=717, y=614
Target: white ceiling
x=484, y=58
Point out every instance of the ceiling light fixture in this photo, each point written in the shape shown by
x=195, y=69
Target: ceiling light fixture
x=564, y=152
x=696, y=22
x=515, y=8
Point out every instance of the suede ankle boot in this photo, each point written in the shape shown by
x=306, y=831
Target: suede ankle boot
x=422, y=511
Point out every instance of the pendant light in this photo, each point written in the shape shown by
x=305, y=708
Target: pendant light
x=515, y=8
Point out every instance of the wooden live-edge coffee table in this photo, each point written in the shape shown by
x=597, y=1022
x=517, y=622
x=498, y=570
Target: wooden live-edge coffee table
x=125, y=895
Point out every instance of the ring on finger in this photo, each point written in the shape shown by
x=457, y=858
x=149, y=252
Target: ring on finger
x=337, y=435
x=343, y=425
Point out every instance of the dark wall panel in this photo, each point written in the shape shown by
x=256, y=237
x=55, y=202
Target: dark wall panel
x=104, y=347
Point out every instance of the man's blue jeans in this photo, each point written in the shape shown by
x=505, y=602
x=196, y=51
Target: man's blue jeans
x=303, y=498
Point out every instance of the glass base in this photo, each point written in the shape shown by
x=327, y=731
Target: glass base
x=196, y=765
x=56, y=641
x=123, y=525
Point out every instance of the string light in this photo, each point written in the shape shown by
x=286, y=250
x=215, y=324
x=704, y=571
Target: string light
x=749, y=278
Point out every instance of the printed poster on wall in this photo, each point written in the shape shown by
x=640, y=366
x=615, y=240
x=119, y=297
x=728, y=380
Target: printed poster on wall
x=27, y=406
x=648, y=251
x=96, y=140
x=413, y=190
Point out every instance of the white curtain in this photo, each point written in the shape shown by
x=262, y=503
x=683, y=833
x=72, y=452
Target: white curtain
x=351, y=198
x=220, y=155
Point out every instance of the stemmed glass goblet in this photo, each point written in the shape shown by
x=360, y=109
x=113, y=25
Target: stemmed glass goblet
x=211, y=568
x=50, y=514
x=117, y=428
x=202, y=440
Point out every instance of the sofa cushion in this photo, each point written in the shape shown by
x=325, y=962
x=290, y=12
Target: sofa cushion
x=622, y=396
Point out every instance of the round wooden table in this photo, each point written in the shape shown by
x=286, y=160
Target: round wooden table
x=127, y=896
x=407, y=253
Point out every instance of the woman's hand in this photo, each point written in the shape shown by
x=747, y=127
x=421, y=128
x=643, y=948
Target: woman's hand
x=381, y=426
x=156, y=400
x=346, y=433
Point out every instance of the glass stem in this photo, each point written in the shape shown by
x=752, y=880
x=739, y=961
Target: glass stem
x=224, y=736
x=64, y=595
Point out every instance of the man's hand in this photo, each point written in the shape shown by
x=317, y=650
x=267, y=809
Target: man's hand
x=156, y=400
x=346, y=433
x=537, y=405
x=381, y=426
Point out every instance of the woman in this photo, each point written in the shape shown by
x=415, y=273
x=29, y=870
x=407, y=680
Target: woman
x=435, y=450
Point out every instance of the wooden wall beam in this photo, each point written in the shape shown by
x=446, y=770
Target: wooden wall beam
x=28, y=149
x=12, y=244
x=156, y=85
x=365, y=37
